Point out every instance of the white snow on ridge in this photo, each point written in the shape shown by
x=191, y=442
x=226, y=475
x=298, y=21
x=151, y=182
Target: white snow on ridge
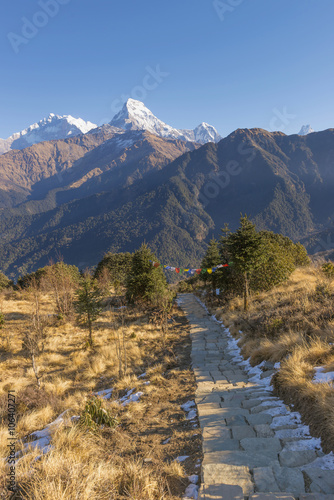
x=306, y=129
x=50, y=128
x=136, y=116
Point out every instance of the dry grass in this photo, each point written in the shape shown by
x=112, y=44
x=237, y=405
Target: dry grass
x=128, y=462
x=315, y=402
x=292, y=324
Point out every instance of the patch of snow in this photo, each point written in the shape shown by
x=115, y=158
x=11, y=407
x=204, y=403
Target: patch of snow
x=181, y=458
x=321, y=377
x=166, y=441
x=133, y=398
x=191, y=492
x=188, y=407
x=128, y=394
x=303, y=431
x=43, y=437
x=191, y=415
x=267, y=402
x=46, y=432
x=325, y=463
x=303, y=444
x=193, y=479
x=142, y=375
x=105, y=393
x=290, y=419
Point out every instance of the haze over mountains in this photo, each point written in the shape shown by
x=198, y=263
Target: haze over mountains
x=137, y=179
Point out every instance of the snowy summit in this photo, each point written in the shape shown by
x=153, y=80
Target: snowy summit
x=306, y=129
x=50, y=128
x=136, y=116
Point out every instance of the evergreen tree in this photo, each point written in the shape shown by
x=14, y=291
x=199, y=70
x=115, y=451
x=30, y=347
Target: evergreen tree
x=281, y=257
x=211, y=259
x=4, y=281
x=88, y=303
x=145, y=282
x=118, y=265
x=246, y=248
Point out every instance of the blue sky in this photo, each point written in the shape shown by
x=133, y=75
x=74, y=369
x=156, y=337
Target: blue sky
x=245, y=66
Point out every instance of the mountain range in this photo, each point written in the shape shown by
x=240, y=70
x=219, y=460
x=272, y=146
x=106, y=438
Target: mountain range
x=138, y=179
x=133, y=116
x=50, y=128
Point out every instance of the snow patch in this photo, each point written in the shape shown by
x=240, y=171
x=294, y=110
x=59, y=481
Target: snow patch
x=188, y=407
x=181, y=458
x=321, y=377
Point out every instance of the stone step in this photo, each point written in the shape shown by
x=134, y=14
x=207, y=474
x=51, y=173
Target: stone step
x=254, y=447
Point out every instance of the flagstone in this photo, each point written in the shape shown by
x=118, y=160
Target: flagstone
x=252, y=445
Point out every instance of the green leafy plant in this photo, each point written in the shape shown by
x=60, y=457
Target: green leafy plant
x=95, y=415
x=322, y=292
x=328, y=269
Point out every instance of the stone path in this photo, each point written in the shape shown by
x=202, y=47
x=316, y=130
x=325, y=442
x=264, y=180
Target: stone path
x=253, y=447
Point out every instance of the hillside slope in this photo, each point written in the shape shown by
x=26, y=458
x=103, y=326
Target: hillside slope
x=284, y=183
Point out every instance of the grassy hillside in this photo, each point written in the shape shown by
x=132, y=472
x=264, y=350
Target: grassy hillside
x=131, y=460
x=284, y=183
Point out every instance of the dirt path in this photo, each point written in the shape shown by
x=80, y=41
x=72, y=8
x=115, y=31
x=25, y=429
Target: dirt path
x=253, y=445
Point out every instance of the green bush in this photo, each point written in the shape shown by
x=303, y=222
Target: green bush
x=322, y=292
x=328, y=269
x=95, y=415
x=51, y=273
x=185, y=287
x=118, y=266
x=4, y=281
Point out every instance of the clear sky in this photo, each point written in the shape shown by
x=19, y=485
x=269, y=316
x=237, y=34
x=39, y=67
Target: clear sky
x=233, y=63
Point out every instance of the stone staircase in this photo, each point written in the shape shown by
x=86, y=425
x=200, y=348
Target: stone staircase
x=254, y=446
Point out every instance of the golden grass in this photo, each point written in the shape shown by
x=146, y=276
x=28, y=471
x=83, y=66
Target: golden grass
x=75, y=469
x=111, y=464
x=314, y=401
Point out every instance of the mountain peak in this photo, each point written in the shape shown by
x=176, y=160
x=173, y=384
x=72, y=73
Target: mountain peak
x=52, y=127
x=136, y=116
x=306, y=129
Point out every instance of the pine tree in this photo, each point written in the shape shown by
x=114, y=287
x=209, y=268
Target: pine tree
x=88, y=303
x=211, y=259
x=4, y=281
x=247, y=251
x=145, y=282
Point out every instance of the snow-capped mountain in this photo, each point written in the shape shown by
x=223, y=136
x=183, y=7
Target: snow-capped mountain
x=306, y=129
x=136, y=116
x=50, y=128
